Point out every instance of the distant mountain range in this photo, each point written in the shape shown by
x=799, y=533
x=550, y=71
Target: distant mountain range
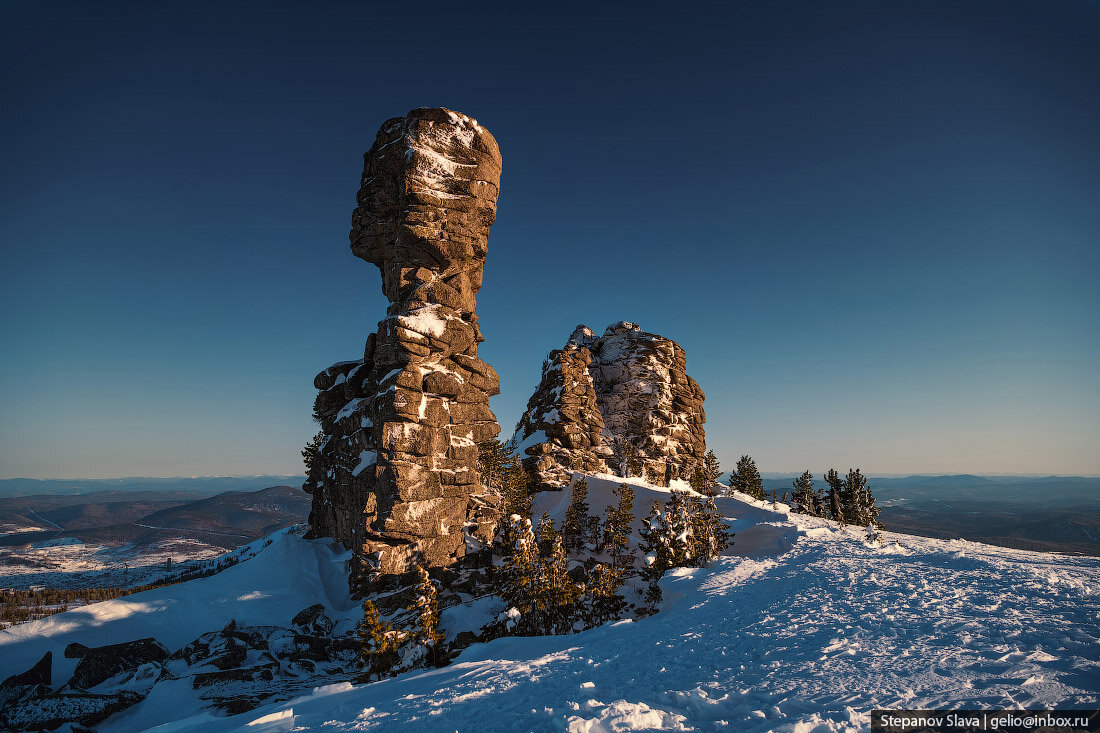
x=1043, y=513
x=228, y=519
x=208, y=485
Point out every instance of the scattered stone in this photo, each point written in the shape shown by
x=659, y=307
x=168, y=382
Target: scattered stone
x=313, y=620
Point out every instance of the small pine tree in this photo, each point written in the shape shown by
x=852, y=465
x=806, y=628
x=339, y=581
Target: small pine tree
x=860, y=507
x=835, y=496
x=426, y=607
x=545, y=533
x=574, y=530
x=492, y=458
x=519, y=577
x=746, y=478
x=514, y=485
x=710, y=534
x=594, y=533
x=802, y=500
x=654, y=475
x=378, y=644
x=699, y=481
x=602, y=602
x=712, y=468
x=631, y=460
x=559, y=590
x=656, y=550
x=313, y=447
x=617, y=528
x=678, y=527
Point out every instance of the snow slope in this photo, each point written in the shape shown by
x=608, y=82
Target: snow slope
x=805, y=628
x=287, y=575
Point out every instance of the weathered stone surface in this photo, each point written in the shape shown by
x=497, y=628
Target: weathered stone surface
x=401, y=423
x=52, y=711
x=34, y=681
x=313, y=621
x=601, y=398
x=103, y=662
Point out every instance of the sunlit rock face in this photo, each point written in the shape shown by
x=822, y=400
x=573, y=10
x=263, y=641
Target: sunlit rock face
x=396, y=478
x=602, y=398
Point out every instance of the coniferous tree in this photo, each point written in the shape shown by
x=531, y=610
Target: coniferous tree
x=378, y=644
x=712, y=468
x=595, y=534
x=559, y=590
x=518, y=580
x=617, y=528
x=860, y=508
x=802, y=500
x=678, y=527
x=835, y=496
x=654, y=475
x=574, y=530
x=426, y=607
x=602, y=602
x=492, y=458
x=631, y=460
x=545, y=534
x=698, y=480
x=746, y=479
x=517, y=501
x=656, y=551
x=710, y=536
x=309, y=453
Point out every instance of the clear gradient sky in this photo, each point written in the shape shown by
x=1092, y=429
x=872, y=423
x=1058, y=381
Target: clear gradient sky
x=874, y=226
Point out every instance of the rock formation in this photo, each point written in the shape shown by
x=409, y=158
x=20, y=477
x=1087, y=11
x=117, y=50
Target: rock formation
x=603, y=399
x=396, y=476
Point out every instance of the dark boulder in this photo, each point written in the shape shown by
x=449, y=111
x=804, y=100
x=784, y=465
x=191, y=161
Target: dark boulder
x=100, y=663
x=34, y=681
x=313, y=620
x=52, y=711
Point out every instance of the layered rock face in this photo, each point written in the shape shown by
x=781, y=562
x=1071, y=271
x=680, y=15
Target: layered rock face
x=599, y=395
x=396, y=477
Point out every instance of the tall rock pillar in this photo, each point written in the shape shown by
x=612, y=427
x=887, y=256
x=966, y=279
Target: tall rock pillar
x=396, y=476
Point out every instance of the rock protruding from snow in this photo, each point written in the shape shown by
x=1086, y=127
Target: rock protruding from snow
x=603, y=398
x=396, y=478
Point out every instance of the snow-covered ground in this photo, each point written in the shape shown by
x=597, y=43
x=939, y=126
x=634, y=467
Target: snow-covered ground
x=69, y=563
x=804, y=627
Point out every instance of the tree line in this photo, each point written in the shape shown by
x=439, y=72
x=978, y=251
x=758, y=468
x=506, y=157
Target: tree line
x=553, y=580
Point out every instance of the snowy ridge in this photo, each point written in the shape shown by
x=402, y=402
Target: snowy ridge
x=803, y=626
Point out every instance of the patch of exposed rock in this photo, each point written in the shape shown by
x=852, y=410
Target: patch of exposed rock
x=604, y=399
x=233, y=670
x=396, y=477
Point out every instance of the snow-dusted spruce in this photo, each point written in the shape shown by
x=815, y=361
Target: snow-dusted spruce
x=575, y=530
x=685, y=532
x=387, y=648
x=746, y=478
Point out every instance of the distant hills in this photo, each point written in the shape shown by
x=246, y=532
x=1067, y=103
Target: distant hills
x=208, y=485
x=228, y=519
x=1043, y=513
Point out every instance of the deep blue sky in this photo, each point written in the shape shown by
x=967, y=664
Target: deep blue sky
x=874, y=227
